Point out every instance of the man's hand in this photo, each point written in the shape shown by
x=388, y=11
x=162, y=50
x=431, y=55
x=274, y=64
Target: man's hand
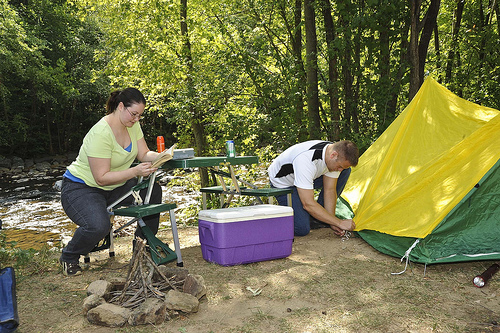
x=347, y=225
x=343, y=226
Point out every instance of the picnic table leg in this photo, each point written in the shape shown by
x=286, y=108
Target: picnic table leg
x=175, y=235
x=204, y=200
x=233, y=178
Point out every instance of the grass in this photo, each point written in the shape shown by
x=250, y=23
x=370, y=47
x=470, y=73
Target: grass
x=319, y=288
x=326, y=285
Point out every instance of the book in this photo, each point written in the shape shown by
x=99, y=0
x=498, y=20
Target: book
x=163, y=157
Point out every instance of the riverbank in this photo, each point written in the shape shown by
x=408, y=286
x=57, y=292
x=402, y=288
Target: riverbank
x=31, y=213
x=325, y=285
x=29, y=178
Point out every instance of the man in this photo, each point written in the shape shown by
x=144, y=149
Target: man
x=312, y=165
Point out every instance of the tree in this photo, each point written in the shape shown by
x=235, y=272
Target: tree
x=311, y=69
x=48, y=93
x=197, y=121
x=421, y=32
x=453, y=55
x=333, y=75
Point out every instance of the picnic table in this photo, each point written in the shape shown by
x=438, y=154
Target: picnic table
x=224, y=168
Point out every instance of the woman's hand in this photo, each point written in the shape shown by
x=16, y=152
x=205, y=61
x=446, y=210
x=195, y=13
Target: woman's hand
x=144, y=169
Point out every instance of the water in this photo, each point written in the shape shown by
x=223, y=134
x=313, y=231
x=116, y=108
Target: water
x=32, y=215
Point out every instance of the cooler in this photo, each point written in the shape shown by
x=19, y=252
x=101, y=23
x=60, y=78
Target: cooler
x=241, y=235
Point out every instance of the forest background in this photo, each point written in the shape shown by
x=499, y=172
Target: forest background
x=266, y=74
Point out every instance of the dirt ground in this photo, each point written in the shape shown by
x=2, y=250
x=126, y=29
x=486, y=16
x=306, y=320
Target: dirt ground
x=325, y=285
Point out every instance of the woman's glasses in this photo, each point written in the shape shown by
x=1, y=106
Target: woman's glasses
x=134, y=115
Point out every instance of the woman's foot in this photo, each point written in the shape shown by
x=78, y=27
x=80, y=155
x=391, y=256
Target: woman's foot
x=69, y=268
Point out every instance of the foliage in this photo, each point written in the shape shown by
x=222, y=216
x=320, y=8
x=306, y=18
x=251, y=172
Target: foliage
x=47, y=99
x=235, y=72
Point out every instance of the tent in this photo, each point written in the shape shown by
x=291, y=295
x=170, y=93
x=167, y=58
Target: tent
x=428, y=188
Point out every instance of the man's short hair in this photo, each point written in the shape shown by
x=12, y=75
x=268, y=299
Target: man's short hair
x=348, y=150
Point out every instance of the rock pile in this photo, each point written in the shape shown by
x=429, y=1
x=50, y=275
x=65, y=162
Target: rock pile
x=14, y=165
x=31, y=177
x=150, y=294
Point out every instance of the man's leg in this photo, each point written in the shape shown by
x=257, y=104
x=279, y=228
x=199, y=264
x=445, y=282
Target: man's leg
x=341, y=182
x=318, y=184
x=301, y=218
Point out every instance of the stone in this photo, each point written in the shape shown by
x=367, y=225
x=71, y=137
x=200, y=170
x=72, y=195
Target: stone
x=28, y=163
x=178, y=273
x=70, y=157
x=17, y=164
x=42, y=166
x=43, y=159
x=118, y=283
x=177, y=300
x=91, y=302
x=195, y=285
x=151, y=311
x=5, y=163
x=100, y=288
x=110, y=315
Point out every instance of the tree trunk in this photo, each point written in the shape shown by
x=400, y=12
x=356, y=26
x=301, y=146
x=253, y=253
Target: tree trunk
x=413, y=50
x=302, y=81
x=496, y=8
x=429, y=23
x=49, y=134
x=437, y=47
x=418, y=48
x=357, y=72
x=312, y=70
x=295, y=33
x=384, y=67
x=450, y=61
x=347, y=79
x=196, y=116
x=333, y=75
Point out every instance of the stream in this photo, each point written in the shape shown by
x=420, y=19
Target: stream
x=31, y=213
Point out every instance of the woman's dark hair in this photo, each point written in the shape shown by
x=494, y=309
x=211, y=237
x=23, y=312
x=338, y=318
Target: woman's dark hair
x=127, y=96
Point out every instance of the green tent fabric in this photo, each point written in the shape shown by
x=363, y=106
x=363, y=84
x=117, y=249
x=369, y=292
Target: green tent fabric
x=429, y=187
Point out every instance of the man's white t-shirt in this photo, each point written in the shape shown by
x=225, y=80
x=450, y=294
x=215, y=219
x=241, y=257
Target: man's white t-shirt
x=300, y=165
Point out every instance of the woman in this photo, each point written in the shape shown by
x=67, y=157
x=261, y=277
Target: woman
x=102, y=173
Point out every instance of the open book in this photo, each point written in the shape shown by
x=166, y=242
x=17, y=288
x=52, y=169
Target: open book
x=164, y=156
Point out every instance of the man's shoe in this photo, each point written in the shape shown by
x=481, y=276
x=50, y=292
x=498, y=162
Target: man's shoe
x=70, y=269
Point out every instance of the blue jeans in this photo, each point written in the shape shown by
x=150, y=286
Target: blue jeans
x=87, y=207
x=301, y=218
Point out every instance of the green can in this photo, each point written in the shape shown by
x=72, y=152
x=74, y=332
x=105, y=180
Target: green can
x=230, y=152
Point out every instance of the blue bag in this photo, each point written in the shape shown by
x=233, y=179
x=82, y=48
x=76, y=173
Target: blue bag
x=9, y=319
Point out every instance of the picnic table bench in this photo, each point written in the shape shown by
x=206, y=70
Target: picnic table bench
x=214, y=163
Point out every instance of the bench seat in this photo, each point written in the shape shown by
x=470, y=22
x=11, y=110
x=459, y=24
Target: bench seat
x=144, y=210
x=255, y=192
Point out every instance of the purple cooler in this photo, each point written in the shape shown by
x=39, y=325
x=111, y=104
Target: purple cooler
x=241, y=235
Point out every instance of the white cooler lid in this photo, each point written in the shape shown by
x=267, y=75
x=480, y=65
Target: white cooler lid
x=235, y=214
